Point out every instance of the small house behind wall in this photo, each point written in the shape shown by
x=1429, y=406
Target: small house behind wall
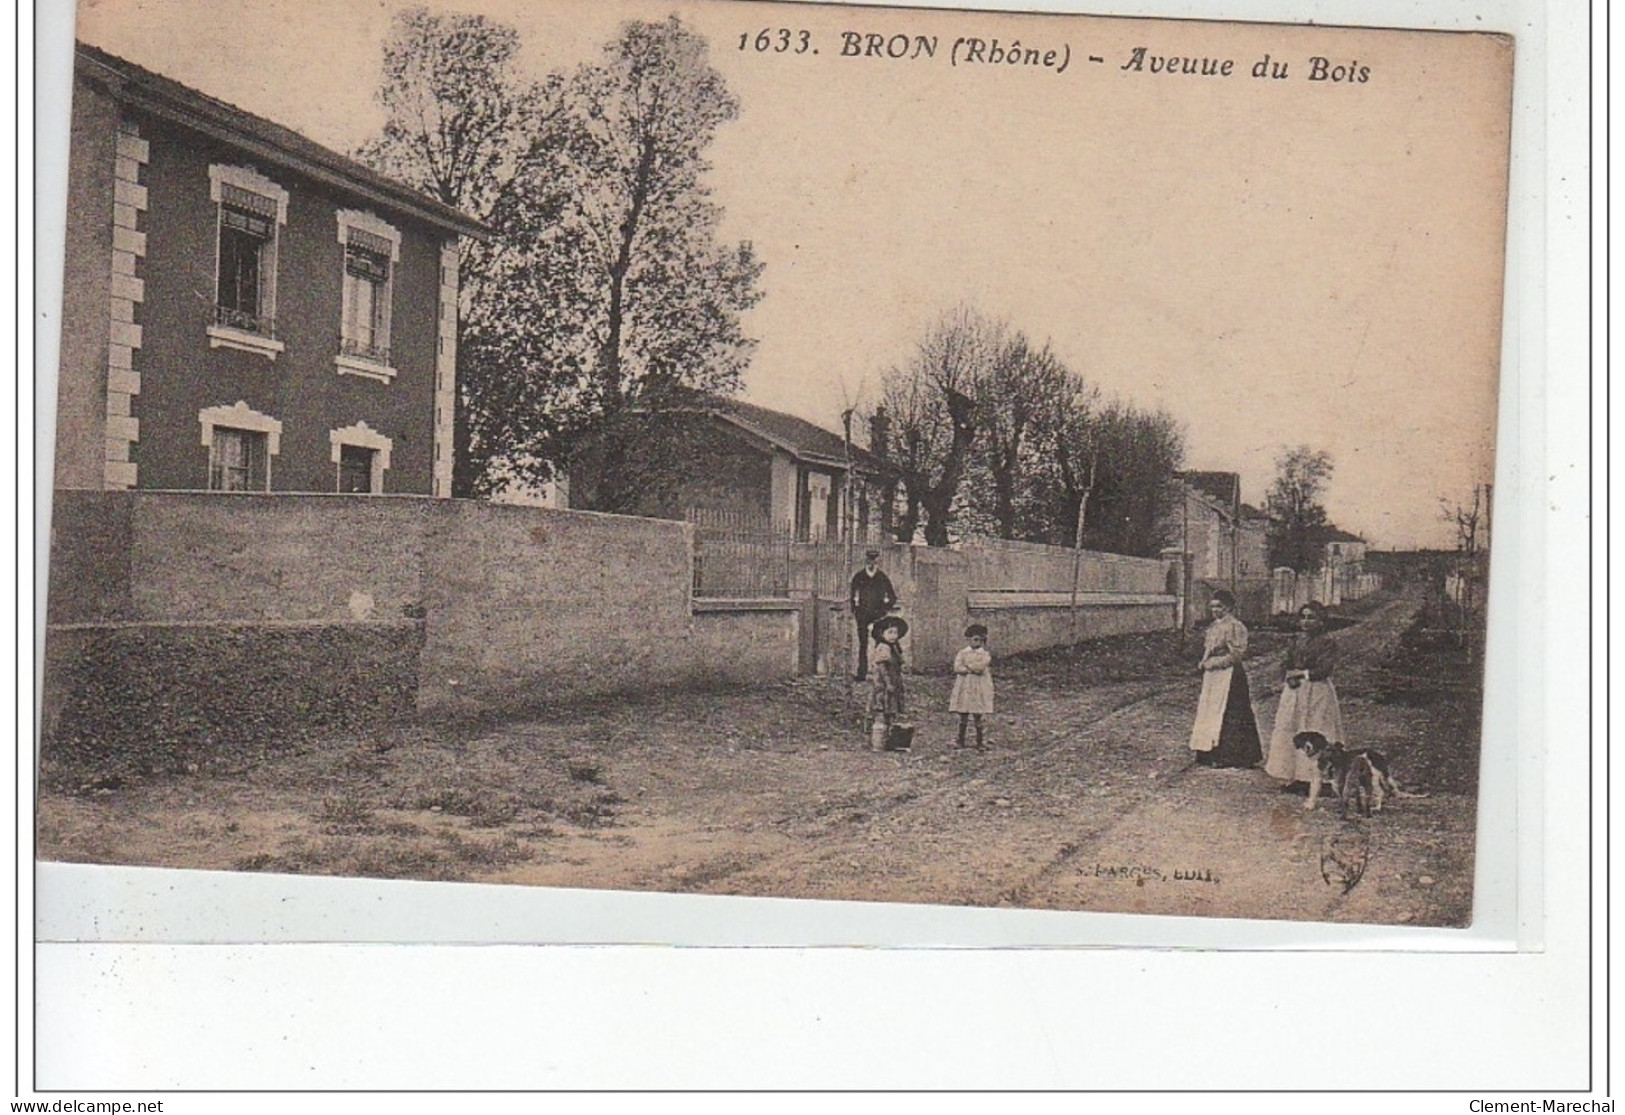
x=750, y=467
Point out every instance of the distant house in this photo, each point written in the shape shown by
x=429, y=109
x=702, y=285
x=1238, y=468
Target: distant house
x=756, y=468
x=1343, y=548
x=1224, y=539
x=1342, y=574
x=244, y=309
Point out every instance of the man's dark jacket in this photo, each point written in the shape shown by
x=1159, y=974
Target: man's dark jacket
x=872, y=595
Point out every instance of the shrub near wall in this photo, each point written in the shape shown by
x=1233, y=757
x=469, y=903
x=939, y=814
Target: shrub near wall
x=148, y=699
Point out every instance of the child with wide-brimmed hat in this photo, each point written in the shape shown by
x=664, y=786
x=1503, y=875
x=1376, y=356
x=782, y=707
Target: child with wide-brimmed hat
x=886, y=703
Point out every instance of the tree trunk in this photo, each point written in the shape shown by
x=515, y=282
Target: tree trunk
x=936, y=522
x=939, y=499
x=1004, y=493
x=609, y=364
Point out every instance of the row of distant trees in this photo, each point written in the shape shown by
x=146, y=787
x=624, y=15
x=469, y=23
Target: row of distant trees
x=991, y=433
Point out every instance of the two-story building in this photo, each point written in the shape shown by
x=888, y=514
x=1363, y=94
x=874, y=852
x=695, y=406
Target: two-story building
x=1221, y=542
x=1224, y=539
x=244, y=309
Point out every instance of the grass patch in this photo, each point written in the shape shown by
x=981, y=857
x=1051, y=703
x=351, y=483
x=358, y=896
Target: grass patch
x=346, y=815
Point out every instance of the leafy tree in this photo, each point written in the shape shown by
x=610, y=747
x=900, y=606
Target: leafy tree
x=605, y=291
x=1114, y=462
x=1134, y=494
x=1298, y=522
x=1024, y=386
x=459, y=125
x=639, y=303
x=458, y=119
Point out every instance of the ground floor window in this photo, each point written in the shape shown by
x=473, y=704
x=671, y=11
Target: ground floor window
x=361, y=457
x=237, y=461
x=241, y=442
x=355, y=468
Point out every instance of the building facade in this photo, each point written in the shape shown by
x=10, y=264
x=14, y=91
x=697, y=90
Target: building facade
x=1223, y=538
x=244, y=309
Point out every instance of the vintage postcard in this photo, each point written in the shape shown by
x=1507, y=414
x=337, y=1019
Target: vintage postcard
x=890, y=455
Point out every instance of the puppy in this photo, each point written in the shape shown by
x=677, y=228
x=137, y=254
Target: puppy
x=1359, y=785
x=1359, y=776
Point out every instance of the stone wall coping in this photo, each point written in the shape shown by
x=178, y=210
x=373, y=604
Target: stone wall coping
x=987, y=600
x=162, y=625
x=754, y=604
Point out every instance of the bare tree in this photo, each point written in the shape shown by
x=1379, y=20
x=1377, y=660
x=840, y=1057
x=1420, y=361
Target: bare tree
x=1471, y=522
x=1102, y=470
x=1468, y=519
x=1024, y=386
x=1065, y=462
x=931, y=403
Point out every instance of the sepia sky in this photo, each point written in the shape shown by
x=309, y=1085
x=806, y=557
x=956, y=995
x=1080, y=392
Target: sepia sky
x=1275, y=262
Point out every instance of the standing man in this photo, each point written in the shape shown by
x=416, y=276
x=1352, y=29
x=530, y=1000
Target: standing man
x=872, y=597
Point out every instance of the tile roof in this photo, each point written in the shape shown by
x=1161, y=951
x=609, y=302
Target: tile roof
x=802, y=438
x=170, y=100
x=1225, y=487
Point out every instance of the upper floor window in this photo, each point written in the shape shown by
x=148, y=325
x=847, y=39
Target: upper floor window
x=247, y=260
x=372, y=248
x=251, y=210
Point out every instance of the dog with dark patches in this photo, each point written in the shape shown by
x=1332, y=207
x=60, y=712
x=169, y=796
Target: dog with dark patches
x=1358, y=776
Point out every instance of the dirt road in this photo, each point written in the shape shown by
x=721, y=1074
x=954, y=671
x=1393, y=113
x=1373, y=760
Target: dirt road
x=1086, y=799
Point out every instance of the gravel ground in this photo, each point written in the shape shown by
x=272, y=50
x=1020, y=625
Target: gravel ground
x=1085, y=798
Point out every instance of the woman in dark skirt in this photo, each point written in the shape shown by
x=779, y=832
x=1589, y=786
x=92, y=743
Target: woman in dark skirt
x=1226, y=732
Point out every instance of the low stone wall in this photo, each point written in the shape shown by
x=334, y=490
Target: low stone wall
x=169, y=612
x=1031, y=567
x=1027, y=621
x=181, y=623
x=1022, y=593
x=209, y=557
x=530, y=606
x=748, y=642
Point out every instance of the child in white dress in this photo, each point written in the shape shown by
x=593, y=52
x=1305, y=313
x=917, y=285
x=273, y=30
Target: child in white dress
x=972, y=697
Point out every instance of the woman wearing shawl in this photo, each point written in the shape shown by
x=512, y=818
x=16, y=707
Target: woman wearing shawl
x=1308, y=698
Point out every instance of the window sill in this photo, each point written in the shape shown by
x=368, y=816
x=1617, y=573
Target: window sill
x=221, y=336
x=356, y=366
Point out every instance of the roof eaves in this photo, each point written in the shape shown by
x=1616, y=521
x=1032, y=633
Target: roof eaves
x=224, y=122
